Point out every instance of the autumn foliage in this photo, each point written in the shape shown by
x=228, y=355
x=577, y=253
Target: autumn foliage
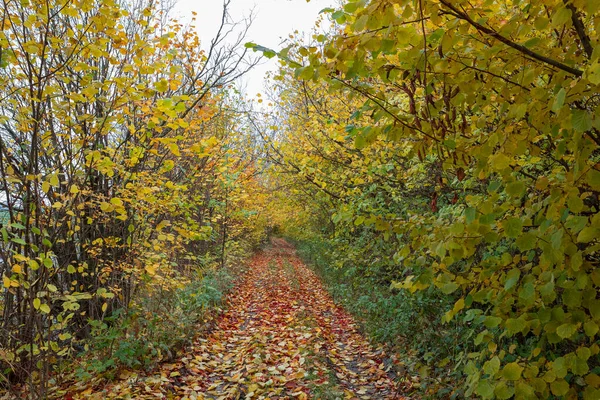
x=441, y=155
x=453, y=146
x=119, y=181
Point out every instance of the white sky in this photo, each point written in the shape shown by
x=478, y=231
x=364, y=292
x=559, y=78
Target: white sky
x=273, y=21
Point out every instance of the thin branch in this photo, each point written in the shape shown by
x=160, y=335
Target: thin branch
x=580, y=29
x=488, y=31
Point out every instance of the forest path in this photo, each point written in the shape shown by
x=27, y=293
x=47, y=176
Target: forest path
x=282, y=337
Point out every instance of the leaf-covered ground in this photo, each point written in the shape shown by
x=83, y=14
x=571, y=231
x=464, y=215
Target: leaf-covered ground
x=282, y=337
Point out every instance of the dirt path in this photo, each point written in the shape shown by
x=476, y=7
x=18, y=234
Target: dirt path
x=282, y=338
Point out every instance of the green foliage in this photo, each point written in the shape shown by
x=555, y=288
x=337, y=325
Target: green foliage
x=409, y=323
x=121, y=168
x=154, y=329
x=462, y=138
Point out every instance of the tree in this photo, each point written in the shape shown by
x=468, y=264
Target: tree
x=490, y=106
x=109, y=125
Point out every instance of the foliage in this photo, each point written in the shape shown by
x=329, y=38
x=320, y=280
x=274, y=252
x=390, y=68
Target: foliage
x=152, y=331
x=464, y=137
x=394, y=317
x=122, y=165
x=273, y=340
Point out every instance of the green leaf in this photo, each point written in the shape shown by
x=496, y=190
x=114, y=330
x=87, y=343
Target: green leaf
x=361, y=22
x=492, y=366
x=527, y=293
x=515, y=189
x=449, y=287
x=575, y=203
x=470, y=215
x=47, y=262
x=485, y=389
x=572, y=298
x=499, y=161
x=590, y=328
x=567, y=330
x=162, y=85
x=503, y=391
x=580, y=366
x=559, y=387
x=559, y=100
x=33, y=264
x=338, y=15
x=561, y=17
x=327, y=10
x=559, y=367
x=547, y=289
x=524, y=391
x=265, y=50
x=513, y=227
x=594, y=308
x=351, y=6
x=512, y=371
x=360, y=142
x=512, y=277
x=581, y=120
x=587, y=235
x=492, y=322
x=515, y=325
x=593, y=73
x=593, y=179
x=45, y=308
x=19, y=241
x=526, y=241
x=532, y=42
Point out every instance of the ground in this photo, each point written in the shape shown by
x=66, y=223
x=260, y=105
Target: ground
x=282, y=337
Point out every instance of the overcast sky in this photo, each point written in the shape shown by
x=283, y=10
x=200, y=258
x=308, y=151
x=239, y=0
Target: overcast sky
x=273, y=20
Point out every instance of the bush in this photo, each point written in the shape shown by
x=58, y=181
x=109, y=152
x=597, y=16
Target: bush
x=154, y=329
x=411, y=324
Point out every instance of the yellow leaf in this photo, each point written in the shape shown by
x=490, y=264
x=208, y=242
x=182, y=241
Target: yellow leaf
x=74, y=189
x=54, y=180
x=151, y=269
x=34, y=265
x=37, y=303
x=7, y=281
x=211, y=141
x=45, y=308
x=174, y=149
x=161, y=85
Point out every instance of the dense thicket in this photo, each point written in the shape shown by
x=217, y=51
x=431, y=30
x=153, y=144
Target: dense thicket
x=450, y=150
x=118, y=178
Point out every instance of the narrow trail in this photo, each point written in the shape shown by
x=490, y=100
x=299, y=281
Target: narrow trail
x=281, y=338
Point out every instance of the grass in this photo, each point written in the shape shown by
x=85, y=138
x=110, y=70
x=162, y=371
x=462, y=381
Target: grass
x=392, y=317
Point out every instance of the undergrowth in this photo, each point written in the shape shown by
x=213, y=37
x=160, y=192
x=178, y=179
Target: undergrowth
x=410, y=324
x=154, y=329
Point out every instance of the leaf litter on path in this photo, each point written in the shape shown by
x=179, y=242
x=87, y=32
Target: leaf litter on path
x=282, y=337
